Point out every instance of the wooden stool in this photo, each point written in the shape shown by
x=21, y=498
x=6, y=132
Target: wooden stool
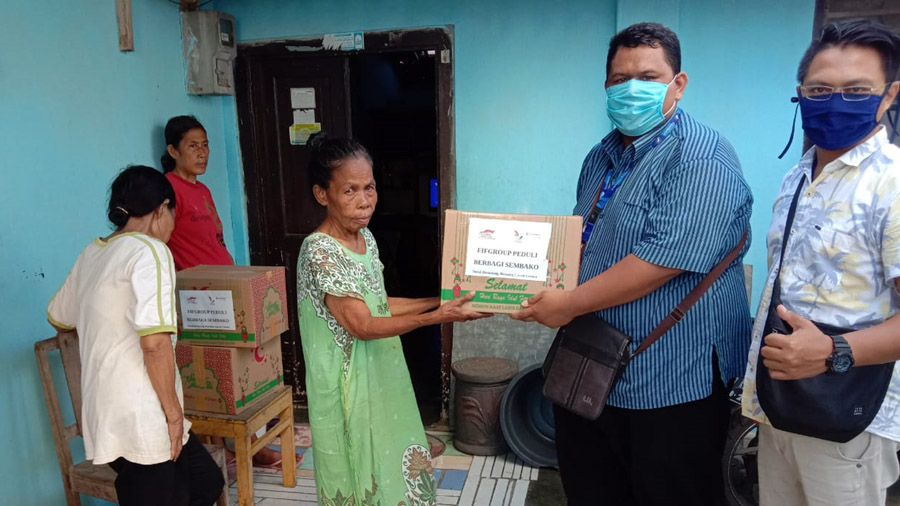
x=240, y=427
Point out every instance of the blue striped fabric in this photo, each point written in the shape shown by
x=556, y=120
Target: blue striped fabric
x=685, y=205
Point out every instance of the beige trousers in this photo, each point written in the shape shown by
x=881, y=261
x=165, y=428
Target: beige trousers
x=797, y=470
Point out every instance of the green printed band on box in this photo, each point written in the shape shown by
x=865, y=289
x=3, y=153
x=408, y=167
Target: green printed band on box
x=217, y=335
x=256, y=393
x=490, y=297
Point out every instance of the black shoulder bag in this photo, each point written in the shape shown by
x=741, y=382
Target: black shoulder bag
x=588, y=355
x=835, y=407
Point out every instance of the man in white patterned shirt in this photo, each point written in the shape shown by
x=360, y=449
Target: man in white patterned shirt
x=840, y=267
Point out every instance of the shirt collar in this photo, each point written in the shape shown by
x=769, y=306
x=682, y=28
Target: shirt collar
x=645, y=142
x=613, y=144
x=853, y=158
x=806, y=162
x=857, y=155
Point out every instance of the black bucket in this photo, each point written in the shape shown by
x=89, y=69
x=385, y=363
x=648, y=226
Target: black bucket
x=526, y=418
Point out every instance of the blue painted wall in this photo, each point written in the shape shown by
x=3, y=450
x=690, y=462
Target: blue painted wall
x=73, y=111
x=529, y=84
x=741, y=58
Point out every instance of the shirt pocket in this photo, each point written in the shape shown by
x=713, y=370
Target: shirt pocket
x=838, y=250
x=629, y=221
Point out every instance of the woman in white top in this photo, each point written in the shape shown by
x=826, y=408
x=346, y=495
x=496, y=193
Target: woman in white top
x=120, y=298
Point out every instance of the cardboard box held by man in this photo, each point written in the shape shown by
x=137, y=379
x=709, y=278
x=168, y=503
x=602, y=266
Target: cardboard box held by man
x=507, y=258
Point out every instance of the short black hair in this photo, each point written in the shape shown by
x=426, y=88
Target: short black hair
x=647, y=34
x=856, y=32
x=137, y=191
x=328, y=153
x=176, y=128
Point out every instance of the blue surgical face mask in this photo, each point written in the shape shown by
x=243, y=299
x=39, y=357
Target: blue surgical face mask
x=837, y=123
x=636, y=106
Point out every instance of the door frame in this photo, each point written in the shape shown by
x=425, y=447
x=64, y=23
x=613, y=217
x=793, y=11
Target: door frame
x=439, y=39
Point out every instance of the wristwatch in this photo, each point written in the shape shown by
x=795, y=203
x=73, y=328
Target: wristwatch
x=841, y=359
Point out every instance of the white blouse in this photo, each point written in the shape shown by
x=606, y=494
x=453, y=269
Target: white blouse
x=117, y=292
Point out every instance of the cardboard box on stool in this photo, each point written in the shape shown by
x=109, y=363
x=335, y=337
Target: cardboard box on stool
x=224, y=380
x=229, y=305
x=507, y=258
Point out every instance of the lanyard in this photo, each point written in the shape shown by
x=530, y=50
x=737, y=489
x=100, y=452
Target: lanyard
x=609, y=186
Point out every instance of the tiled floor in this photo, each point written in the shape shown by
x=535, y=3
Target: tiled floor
x=463, y=480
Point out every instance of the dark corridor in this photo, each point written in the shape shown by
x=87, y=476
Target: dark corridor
x=393, y=99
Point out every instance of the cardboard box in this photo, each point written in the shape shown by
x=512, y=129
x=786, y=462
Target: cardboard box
x=507, y=258
x=229, y=305
x=225, y=380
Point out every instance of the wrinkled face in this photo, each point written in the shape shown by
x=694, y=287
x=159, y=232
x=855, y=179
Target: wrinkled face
x=351, y=195
x=163, y=222
x=646, y=63
x=192, y=153
x=855, y=69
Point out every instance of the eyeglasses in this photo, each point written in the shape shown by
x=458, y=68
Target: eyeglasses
x=848, y=93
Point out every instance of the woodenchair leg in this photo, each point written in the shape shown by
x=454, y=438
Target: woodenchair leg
x=288, y=455
x=244, y=470
x=72, y=498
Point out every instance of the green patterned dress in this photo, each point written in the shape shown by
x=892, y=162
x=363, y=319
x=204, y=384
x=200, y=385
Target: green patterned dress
x=369, y=447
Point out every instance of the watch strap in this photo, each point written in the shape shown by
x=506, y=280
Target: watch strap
x=841, y=344
x=841, y=348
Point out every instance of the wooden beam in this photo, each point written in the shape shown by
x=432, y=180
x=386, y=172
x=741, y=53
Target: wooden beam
x=189, y=5
x=126, y=34
x=862, y=13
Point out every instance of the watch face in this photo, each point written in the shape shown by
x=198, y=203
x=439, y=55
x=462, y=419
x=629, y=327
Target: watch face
x=842, y=363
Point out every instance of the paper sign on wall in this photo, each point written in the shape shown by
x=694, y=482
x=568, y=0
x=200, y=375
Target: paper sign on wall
x=350, y=41
x=508, y=249
x=300, y=132
x=207, y=309
x=303, y=98
x=304, y=115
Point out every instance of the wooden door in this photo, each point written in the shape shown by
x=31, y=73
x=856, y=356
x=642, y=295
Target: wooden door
x=281, y=209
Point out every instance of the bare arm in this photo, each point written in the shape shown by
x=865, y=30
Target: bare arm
x=401, y=306
x=802, y=354
x=879, y=344
x=354, y=315
x=160, y=361
x=876, y=345
x=629, y=279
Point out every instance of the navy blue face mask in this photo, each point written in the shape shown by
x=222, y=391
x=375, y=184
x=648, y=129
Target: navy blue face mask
x=837, y=123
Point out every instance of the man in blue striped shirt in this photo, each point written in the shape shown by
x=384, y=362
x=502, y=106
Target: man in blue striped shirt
x=673, y=204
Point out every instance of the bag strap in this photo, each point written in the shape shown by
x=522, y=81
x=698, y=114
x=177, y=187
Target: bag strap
x=789, y=222
x=691, y=298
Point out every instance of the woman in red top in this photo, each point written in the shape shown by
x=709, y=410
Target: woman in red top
x=198, y=237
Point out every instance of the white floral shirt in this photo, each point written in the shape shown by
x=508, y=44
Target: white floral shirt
x=842, y=255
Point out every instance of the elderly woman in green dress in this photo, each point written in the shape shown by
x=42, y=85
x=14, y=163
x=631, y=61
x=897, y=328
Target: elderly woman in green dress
x=369, y=446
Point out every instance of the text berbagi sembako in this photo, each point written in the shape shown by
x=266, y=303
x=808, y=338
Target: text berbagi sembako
x=507, y=253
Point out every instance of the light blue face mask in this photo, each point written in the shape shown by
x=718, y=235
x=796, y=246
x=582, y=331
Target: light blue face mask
x=636, y=106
